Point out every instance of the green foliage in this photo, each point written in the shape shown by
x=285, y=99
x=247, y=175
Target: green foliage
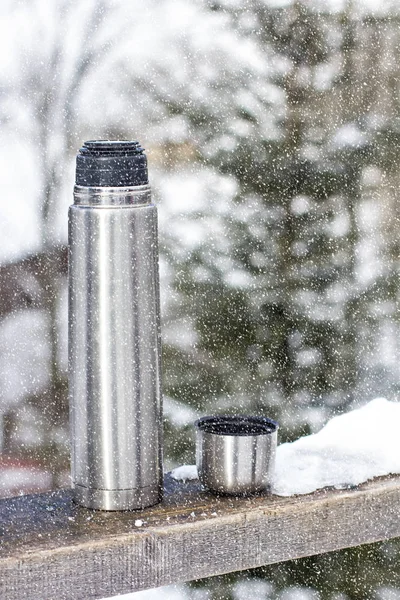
x=295, y=330
x=356, y=573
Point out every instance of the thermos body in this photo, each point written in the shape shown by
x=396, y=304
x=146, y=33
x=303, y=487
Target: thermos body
x=114, y=348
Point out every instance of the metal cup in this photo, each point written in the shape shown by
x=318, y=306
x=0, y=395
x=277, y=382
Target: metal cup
x=236, y=454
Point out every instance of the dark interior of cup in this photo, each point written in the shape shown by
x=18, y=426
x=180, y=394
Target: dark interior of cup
x=236, y=425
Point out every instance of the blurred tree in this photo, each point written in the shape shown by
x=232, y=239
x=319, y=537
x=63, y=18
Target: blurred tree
x=289, y=120
x=52, y=75
x=270, y=103
x=354, y=574
x=280, y=308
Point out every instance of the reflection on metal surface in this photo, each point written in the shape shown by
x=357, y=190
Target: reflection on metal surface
x=114, y=348
x=236, y=454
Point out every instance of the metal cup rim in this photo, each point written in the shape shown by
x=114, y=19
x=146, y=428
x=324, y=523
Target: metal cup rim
x=236, y=425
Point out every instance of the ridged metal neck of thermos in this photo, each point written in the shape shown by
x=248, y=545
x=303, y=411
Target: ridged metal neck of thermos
x=138, y=195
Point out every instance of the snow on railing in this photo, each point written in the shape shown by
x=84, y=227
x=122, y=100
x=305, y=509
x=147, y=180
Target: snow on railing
x=350, y=449
x=50, y=548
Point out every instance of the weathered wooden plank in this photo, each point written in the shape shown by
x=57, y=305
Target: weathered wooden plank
x=52, y=549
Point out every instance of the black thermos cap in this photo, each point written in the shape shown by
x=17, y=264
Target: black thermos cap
x=107, y=163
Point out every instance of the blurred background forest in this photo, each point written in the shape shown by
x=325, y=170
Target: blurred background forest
x=272, y=130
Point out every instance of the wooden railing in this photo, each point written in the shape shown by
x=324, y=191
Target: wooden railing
x=52, y=549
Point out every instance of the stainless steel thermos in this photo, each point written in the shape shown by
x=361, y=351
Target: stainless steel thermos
x=114, y=330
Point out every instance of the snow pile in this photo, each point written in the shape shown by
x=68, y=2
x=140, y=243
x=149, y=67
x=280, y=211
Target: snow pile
x=349, y=450
x=185, y=473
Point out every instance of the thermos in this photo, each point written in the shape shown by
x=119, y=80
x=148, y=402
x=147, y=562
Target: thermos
x=114, y=330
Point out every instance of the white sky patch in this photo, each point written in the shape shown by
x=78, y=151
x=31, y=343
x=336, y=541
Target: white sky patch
x=251, y=589
x=179, y=333
x=170, y=592
x=350, y=449
x=178, y=413
x=187, y=191
x=279, y=3
x=339, y=226
x=348, y=136
x=19, y=209
x=238, y=279
x=300, y=205
x=15, y=478
x=24, y=355
x=364, y=7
